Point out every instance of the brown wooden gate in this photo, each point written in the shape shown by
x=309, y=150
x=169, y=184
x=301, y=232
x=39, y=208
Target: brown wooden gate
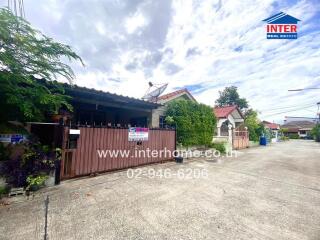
x=240, y=138
x=81, y=156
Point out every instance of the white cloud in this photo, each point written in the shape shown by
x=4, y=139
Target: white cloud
x=135, y=22
x=209, y=44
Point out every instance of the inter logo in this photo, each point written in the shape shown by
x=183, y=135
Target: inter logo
x=282, y=26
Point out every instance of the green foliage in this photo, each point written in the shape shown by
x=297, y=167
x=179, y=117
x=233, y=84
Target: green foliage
x=25, y=53
x=29, y=99
x=195, y=122
x=293, y=136
x=8, y=128
x=255, y=128
x=169, y=120
x=35, y=181
x=315, y=132
x=219, y=146
x=4, y=190
x=4, y=152
x=284, y=130
x=284, y=138
x=230, y=96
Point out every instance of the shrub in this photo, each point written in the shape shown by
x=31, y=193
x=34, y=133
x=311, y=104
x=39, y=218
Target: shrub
x=255, y=128
x=4, y=152
x=4, y=190
x=219, y=146
x=34, y=160
x=293, y=135
x=315, y=132
x=35, y=181
x=284, y=138
x=195, y=122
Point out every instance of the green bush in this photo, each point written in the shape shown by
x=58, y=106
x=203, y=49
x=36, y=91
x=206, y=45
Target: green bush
x=195, y=122
x=315, y=132
x=4, y=152
x=219, y=146
x=36, y=181
x=284, y=138
x=255, y=129
x=4, y=190
x=293, y=135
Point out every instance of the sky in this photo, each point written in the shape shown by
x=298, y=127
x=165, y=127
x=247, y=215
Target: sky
x=202, y=45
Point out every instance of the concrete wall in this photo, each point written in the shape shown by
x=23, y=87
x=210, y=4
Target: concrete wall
x=156, y=113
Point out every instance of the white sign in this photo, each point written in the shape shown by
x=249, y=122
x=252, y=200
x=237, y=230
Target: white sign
x=138, y=134
x=74, y=131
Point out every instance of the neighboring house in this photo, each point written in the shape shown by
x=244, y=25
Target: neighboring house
x=230, y=127
x=294, y=119
x=158, y=115
x=302, y=128
x=229, y=115
x=274, y=128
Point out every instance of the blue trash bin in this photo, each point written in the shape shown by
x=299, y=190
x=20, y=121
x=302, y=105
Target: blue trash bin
x=263, y=141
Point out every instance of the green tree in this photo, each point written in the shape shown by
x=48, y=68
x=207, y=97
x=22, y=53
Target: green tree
x=27, y=55
x=255, y=128
x=230, y=96
x=195, y=122
x=315, y=132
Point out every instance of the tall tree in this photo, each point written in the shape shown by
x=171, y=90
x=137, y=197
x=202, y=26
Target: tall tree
x=230, y=96
x=25, y=56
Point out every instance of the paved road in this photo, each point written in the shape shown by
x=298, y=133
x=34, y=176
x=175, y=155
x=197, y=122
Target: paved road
x=265, y=193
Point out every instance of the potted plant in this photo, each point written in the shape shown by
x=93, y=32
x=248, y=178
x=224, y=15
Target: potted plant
x=35, y=182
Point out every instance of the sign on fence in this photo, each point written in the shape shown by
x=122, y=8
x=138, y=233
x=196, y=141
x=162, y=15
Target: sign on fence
x=138, y=134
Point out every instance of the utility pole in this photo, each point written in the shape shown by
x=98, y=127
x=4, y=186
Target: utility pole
x=312, y=88
x=318, y=111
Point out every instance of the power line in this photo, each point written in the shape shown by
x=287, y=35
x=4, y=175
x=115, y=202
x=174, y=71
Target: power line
x=288, y=109
x=290, y=106
x=294, y=110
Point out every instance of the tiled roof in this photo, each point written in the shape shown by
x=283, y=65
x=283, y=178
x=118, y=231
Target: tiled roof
x=175, y=93
x=223, y=112
x=298, y=124
x=75, y=89
x=271, y=125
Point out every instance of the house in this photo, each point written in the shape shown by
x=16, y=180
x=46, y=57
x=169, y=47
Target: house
x=103, y=121
x=274, y=128
x=158, y=114
x=230, y=127
x=299, y=128
x=288, y=119
x=228, y=115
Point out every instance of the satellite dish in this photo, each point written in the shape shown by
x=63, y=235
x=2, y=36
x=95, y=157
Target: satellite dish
x=154, y=91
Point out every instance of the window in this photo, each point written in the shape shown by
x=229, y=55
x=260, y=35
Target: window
x=162, y=121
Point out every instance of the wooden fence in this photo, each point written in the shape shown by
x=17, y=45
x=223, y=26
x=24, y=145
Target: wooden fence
x=240, y=139
x=81, y=156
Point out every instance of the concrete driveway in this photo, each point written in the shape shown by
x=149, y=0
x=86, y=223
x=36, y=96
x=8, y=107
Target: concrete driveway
x=265, y=193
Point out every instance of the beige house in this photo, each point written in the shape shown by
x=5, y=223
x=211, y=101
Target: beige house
x=229, y=130
x=158, y=115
